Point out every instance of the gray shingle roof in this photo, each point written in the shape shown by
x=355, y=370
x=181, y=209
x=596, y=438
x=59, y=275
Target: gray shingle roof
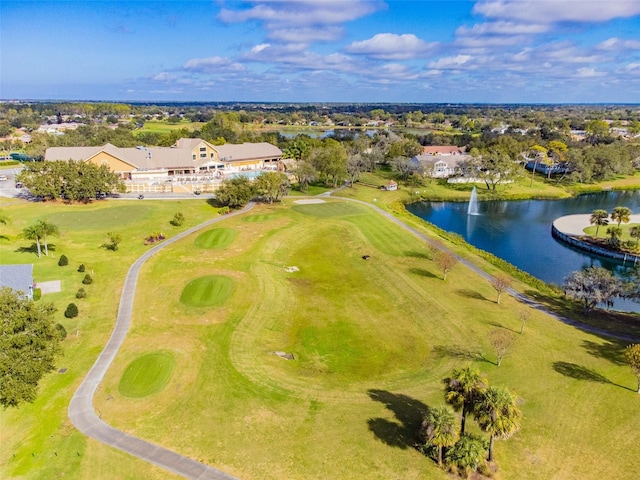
x=18, y=277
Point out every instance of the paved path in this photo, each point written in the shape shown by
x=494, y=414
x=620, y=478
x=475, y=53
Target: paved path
x=520, y=296
x=575, y=224
x=81, y=411
x=84, y=417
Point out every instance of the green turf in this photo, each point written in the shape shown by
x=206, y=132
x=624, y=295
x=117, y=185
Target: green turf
x=216, y=238
x=207, y=291
x=147, y=375
x=257, y=218
x=84, y=219
x=329, y=209
x=371, y=339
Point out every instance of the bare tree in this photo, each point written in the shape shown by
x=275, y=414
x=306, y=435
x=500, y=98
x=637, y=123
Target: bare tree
x=445, y=261
x=501, y=341
x=524, y=316
x=501, y=283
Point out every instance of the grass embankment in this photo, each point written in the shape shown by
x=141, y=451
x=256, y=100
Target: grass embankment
x=38, y=441
x=371, y=341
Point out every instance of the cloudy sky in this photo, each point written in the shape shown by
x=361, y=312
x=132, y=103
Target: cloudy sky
x=488, y=51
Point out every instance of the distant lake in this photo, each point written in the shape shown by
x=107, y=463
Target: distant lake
x=520, y=232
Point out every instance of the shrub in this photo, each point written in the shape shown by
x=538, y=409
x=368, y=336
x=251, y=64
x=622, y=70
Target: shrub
x=81, y=293
x=71, y=311
x=81, y=268
x=178, y=220
x=223, y=210
x=61, y=331
x=64, y=261
x=87, y=280
x=37, y=293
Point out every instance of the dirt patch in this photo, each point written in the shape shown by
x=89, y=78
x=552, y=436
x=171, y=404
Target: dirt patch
x=49, y=287
x=310, y=201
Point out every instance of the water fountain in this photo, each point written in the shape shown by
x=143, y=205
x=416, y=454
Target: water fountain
x=472, y=209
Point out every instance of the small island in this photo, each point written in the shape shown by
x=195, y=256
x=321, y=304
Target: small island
x=571, y=229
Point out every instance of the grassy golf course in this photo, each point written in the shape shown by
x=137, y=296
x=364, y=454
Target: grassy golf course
x=364, y=345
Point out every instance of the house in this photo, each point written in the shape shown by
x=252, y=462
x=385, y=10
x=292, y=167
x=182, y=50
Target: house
x=18, y=277
x=442, y=150
x=439, y=166
x=391, y=186
x=188, y=156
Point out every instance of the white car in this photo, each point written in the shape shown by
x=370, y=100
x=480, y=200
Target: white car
x=3, y=178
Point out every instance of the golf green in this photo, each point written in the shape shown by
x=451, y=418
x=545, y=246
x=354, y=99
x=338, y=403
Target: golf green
x=207, y=291
x=146, y=375
x=216, y=238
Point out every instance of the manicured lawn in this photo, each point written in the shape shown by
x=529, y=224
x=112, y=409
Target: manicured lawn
x=207, y=291
x=371, y=341
x=166, y=127
x=215, y=238
x=146, y=375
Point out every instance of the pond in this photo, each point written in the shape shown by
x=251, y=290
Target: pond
x=520, y=232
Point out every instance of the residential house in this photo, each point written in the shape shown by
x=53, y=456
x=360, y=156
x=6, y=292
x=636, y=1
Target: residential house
x=441, y=161
x=18, y=277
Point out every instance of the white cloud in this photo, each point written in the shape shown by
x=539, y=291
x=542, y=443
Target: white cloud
x=556, y=11
x=589, y=72
x=613, y=44
x=390, y=46
x=450, y=62
x=503, y=28
x=307, y=34
x=295, y=13
x=212, y=64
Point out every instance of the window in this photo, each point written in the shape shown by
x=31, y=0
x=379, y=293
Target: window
x=203, y=149
x=203, y=155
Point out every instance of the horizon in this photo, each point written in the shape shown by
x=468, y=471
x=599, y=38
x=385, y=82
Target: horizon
x=528, y=52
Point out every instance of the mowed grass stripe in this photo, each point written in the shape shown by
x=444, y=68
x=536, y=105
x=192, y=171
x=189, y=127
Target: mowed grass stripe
x=330, y=209
x=208, y=291
x=146, y=375
x=216, y=238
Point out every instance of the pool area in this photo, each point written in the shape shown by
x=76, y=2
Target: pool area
x=251, y=174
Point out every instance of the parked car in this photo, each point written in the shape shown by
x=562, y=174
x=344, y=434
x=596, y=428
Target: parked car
x=3, y=178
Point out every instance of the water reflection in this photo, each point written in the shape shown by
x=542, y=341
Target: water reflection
x=520, y=232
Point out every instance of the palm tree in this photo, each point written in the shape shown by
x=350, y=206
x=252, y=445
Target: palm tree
x=468, y=453
x=462, y=390
x=599, y=218
x=621, y=215
x=47, y=228
x=439, y=428
x=634, y=232
x=33, y=232
x=497, y=414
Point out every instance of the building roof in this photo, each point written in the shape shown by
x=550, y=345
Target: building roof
x=450, y=160
x=443, y=150
x=17, y=277
x=176, y=156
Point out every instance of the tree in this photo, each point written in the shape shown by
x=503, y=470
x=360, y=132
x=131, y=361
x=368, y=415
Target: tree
x=468, y=453
x=445, y=261
x=438, y=429
x=493, y=166
x=177, y=220
x=304, y=172
x=46, y=229
x=501, y=340
x=29, y=344
x=524, y=316
x=501, y=283
x=614, y=236
x=539, y=153
x=236, y=192
x=33, y=232
x=114, y=241
x=634, y=232
x=497, y=414
x=599, y=218
x=71, y=310
x=330, y=161
x=621, y=215
x=63, y=261
x=592, y=285
x=632, y=355
x=272, y=185
x=462, y=390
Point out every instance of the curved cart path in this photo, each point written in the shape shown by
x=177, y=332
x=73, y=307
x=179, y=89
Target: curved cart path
x=81, y=411
x=520, y=296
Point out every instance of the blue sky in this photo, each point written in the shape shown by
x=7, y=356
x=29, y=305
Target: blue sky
x=487, y=51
